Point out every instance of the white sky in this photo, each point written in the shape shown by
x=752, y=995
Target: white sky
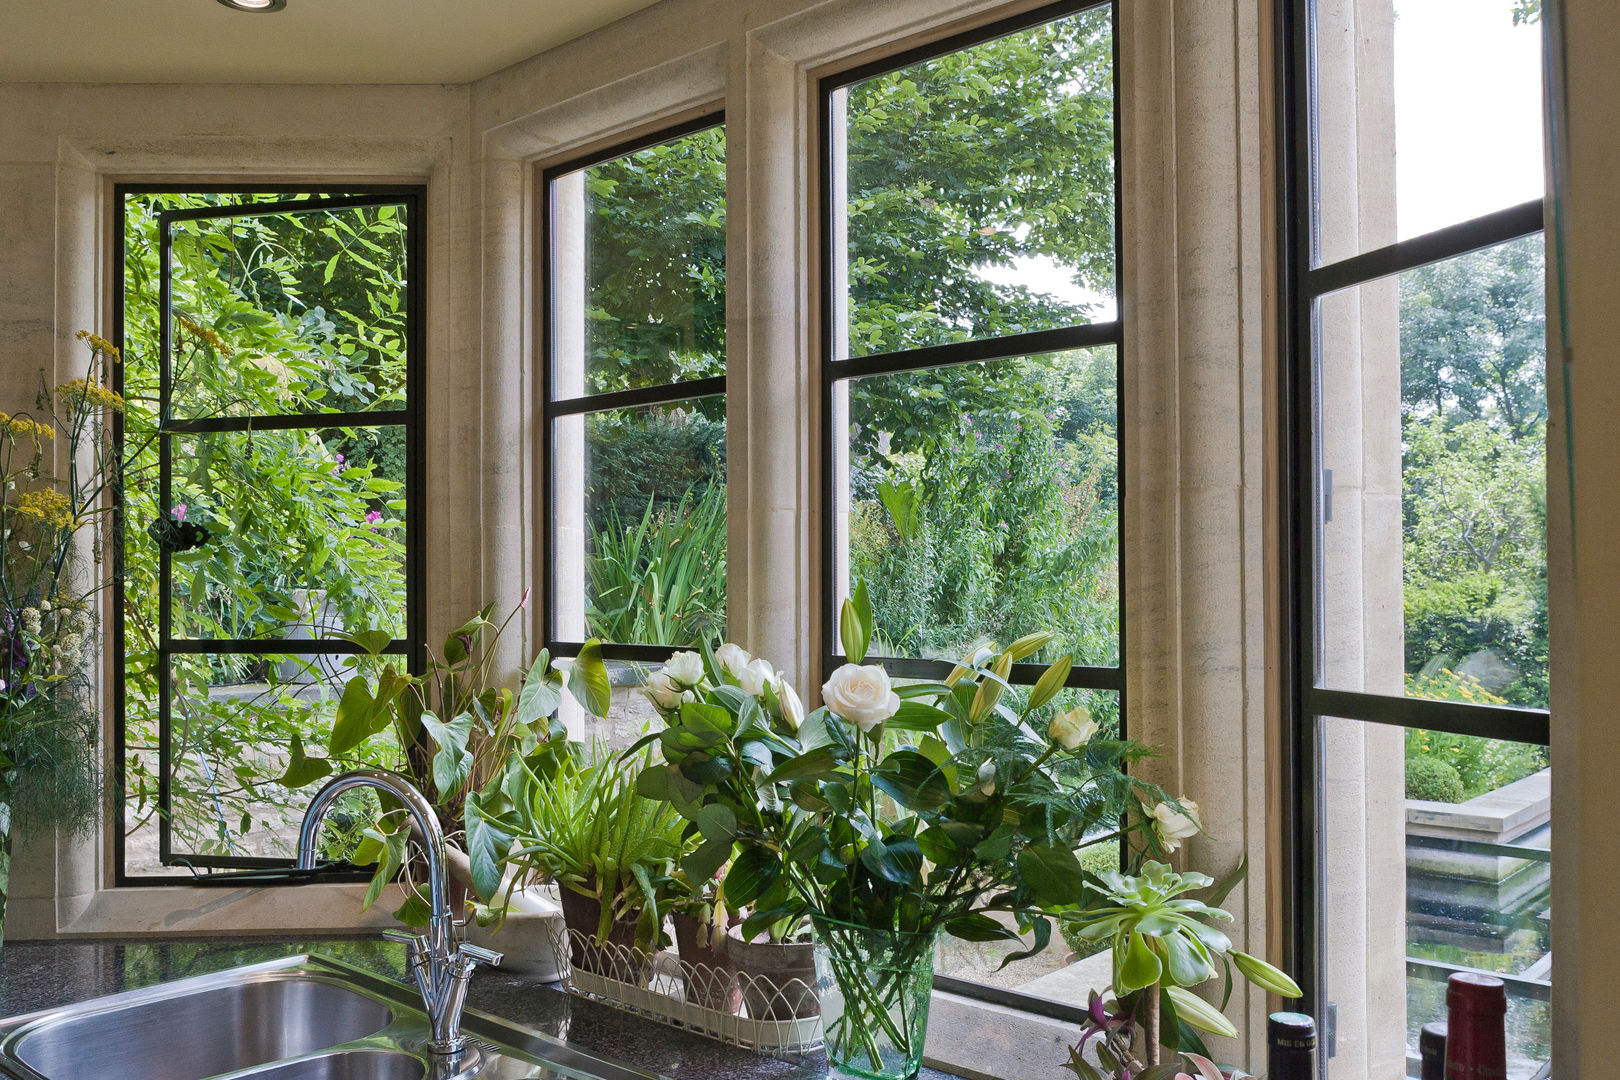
x=1467, y=127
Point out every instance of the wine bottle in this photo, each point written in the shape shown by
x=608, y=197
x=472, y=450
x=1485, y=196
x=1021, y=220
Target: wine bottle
x=1476, y=1043
x=1290, y=1046
x=1432, y=1050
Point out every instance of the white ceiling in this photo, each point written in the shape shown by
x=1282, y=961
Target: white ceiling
x=311, y=41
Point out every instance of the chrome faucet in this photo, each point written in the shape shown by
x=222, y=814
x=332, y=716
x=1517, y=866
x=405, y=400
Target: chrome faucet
x=442, y=967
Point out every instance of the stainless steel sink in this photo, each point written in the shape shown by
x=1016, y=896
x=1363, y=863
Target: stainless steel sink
x=302, y=1018
x=348, y=1065
x=213, y=1030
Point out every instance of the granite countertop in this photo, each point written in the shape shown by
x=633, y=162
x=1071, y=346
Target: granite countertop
x=38, y=975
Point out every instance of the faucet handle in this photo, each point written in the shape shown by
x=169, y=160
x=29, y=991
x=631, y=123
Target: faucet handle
x=415, y=947
x=481, y=955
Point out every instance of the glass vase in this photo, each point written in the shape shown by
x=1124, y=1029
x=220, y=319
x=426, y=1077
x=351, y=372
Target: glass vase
x=874, y=986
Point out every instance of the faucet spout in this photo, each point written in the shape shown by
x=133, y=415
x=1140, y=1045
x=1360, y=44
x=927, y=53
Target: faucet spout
x=440, y=966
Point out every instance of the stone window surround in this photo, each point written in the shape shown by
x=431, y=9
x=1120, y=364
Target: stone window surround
x=1195, y=127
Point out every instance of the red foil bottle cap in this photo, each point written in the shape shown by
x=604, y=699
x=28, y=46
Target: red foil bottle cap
x=1477, y=993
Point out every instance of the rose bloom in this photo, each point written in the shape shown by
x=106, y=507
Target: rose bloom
x=732, y=659
x=1174, y=826
x=662, y=691
x=861, y=695
x=1073, y=729
x=755, y=677
x=685, y=668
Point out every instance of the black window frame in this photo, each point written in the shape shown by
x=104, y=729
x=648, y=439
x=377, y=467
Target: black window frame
x=1307, y=703
x=553, y=408
x=335, y=195
x=834, y=370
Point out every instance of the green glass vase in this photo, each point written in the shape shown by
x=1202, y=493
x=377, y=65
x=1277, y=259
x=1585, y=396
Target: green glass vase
x=874, y=986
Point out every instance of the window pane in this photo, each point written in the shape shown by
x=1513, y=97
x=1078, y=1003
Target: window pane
x=981, y=501
x=973, y=194
x=232, y=722
x=1429, y=114
x=1433, y=424
x=1468, y=847
x=639, y=524
x=1069, y=968
x=289, y=313
x=306, y=533
x=638, y=281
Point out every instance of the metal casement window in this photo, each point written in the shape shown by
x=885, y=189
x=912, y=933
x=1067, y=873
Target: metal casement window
x=836, y=369
x=409, y=201
x=553, y=408
x=1308, y=701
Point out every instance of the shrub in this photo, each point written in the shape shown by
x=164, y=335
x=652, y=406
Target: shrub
x=1432, y=779
x=1093, y=859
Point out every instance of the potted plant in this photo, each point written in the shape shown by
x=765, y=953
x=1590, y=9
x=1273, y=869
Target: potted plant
x=699, y=921
x=464, y=739
x=888, y=816
x=1163, y=943
x=49, y=520
x=584, y=826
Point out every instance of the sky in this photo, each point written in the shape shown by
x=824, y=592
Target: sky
x=1467, y=127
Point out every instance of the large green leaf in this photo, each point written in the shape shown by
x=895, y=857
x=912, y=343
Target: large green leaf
x=1139, y=967
x=977, y=926
x=814, y=764
x=588, y=679
x=488, y=842
x=751, y=873
x=541, y=696
x=912, y=780
x=302, y=770
x=355, y=711
x=452, y=762
x=1053, y=873
x=916, y=716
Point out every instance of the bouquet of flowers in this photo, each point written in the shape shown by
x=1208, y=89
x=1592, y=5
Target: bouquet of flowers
x=890, y=814
x=51, y=510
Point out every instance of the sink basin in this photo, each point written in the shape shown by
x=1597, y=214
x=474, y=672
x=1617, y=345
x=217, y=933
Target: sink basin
x=216, y=1030
x=347, y=1065
x=301, y=1018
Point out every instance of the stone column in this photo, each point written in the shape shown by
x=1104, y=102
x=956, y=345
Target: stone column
x=1359, y=510
x=563, y=444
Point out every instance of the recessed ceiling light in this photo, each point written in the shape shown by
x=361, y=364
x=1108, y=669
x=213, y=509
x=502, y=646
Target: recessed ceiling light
x=255, y=5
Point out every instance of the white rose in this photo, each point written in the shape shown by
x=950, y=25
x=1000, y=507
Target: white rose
x=685, y=668
x=755, y=677
x=861, y=695
x=792, y=707
x=1174, y=826
x=662, y=692
x=1073, y=729
x=733, y=659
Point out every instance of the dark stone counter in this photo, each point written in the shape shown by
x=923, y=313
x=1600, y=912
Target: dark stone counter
x=38, y=975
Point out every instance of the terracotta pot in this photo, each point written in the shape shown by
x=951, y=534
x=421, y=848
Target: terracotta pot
x=582, y=914
x=714, y=985
x=790, y=967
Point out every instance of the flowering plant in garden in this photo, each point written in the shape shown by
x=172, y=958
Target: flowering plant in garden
x=56, y=467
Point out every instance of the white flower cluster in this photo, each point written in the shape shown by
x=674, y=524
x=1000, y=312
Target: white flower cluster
x=31, y=620
x=683, y=678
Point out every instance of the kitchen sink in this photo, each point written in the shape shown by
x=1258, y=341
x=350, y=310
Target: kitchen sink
x=300, y=1018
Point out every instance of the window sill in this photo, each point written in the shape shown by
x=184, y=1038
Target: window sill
x=181, y=909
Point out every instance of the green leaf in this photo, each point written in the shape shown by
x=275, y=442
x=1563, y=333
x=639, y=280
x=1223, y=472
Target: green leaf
x=415, y=910
x=393, y=857
x=703, y=863
x=1053, y=873
x=373, y=641
x=1139, y=967
x=463, y=639
x=355, y=712
x=716, y=822
x=539, y=698
x=1200, y=1013
x=588, y=679
x=750, y=875
x=977, y=926
x=452, y=762
x=815, y=764
x=302, y=770
x=898, y=860
x=1182, y=962
x=912, y=780
x=916, y=716
x=488, y=843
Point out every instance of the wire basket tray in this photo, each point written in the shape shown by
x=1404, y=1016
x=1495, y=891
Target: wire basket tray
x=733, y=1007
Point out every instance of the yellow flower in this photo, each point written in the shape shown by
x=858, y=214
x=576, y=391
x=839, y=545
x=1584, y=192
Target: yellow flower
x=99, y=345
x=93, y=393
x=21, y=427
x=203, y=334
x=48, y=505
